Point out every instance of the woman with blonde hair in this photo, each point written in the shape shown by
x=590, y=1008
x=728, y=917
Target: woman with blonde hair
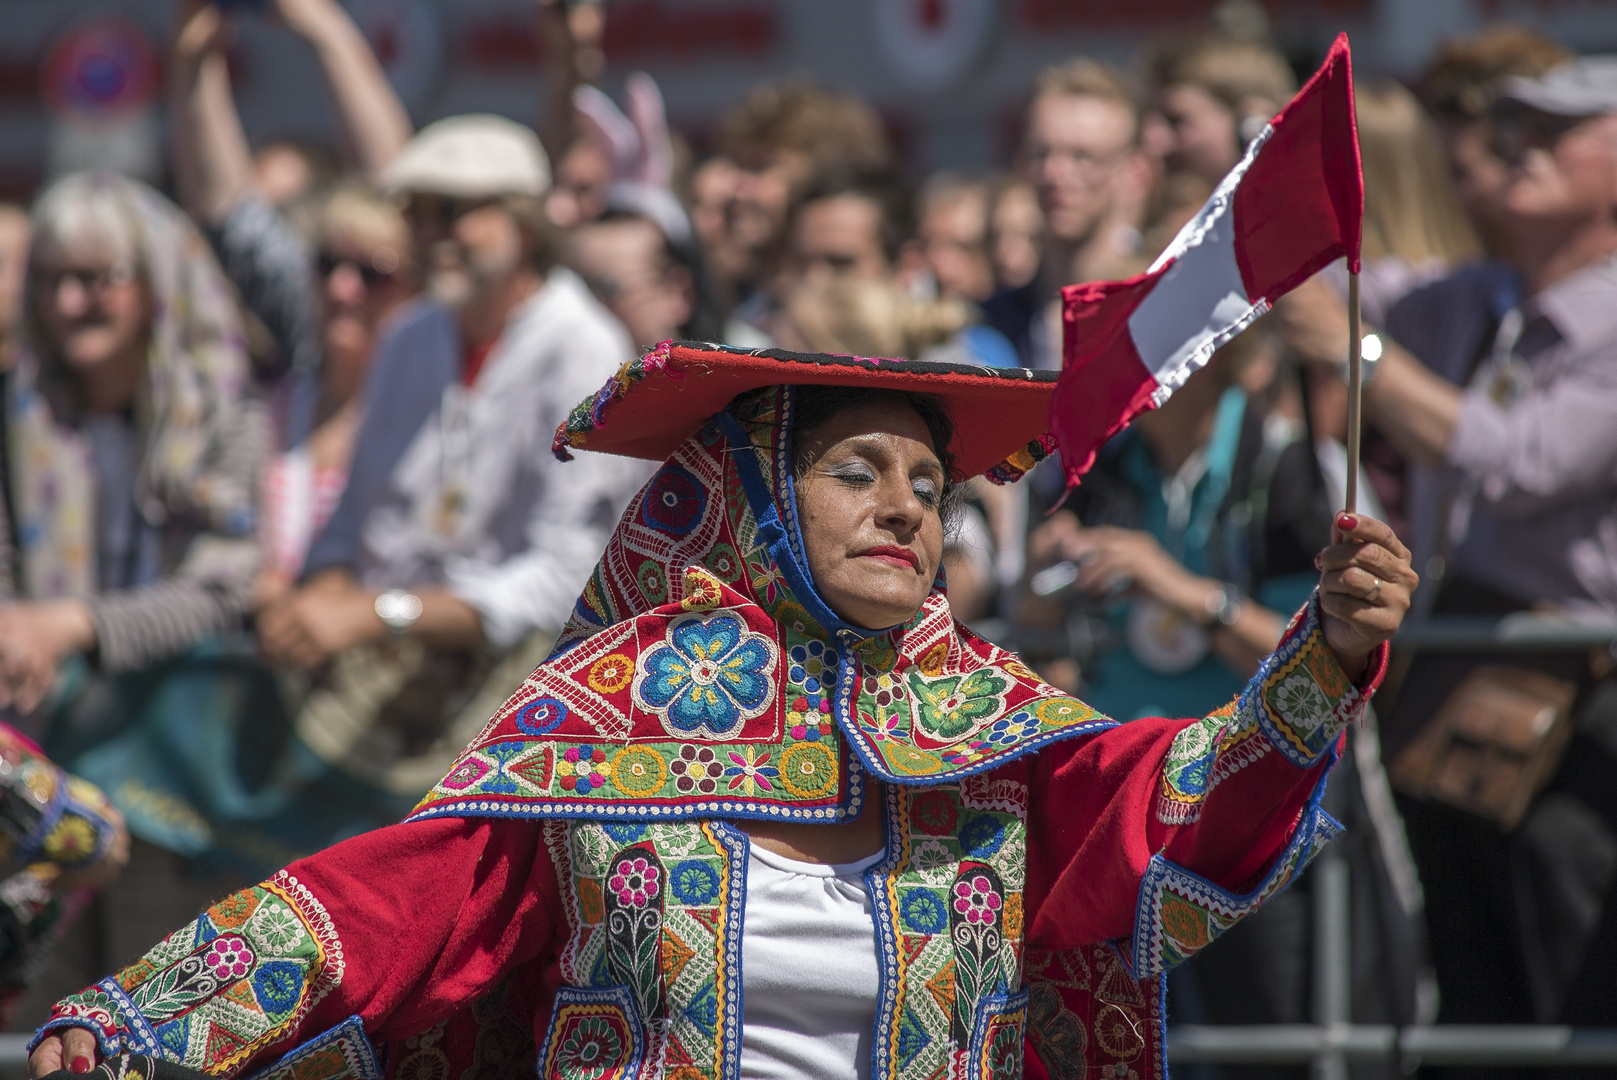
x=1415, y=232
x=1415, y=229
x=858, y=317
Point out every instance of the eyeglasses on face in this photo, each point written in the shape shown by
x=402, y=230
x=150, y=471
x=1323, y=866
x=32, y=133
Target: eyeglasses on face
x=1517, y=130
x=381, y=268
x=94, y=280
x=1088, y=161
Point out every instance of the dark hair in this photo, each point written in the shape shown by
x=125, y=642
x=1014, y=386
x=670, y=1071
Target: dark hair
x=797, y=114
x=881, y=187
x=816, y=405
x=707, y=316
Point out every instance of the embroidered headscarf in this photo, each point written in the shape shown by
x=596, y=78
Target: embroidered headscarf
x=196, y=376
x=702, y=674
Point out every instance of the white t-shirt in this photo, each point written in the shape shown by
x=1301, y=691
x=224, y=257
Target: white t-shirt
x=808, y=970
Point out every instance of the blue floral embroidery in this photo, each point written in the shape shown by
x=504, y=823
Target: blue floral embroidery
x=694, y=882
x=982, y=836
x=711, y=673
x=541, y=717
x=1009, y=730
x=923, y=912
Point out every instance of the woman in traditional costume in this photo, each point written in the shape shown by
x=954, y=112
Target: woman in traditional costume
x=768, y=810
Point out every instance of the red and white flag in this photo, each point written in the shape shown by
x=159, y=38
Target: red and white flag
x=1291, y=207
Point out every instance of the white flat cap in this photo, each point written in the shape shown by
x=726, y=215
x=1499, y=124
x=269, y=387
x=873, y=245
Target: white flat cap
x=475, y=156
x=1586, y=86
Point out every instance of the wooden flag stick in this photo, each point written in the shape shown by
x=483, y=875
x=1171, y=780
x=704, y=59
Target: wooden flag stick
x=1355, y=375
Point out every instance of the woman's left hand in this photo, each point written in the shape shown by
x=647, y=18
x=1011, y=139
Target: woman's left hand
x=1365, y=585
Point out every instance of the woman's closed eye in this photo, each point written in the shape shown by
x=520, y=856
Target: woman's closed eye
x=854, y=473
x=927, y=490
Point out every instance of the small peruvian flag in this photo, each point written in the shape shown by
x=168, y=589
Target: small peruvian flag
x=1291, y=207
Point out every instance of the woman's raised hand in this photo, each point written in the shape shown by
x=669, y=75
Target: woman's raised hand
x=71, y=1048
x=1365, y=586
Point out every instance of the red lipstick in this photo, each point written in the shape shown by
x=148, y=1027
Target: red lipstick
x=894, y=555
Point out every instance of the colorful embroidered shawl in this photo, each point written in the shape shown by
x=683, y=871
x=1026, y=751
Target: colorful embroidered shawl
x=701, y=674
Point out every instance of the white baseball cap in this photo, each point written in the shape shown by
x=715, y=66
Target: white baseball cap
x=477, y=155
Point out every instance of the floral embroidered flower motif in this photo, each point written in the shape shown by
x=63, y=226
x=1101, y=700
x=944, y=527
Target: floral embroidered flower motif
x=611, y=673
x=1021, y=671
x=881, y=730
x=767, y=580
x=709, y=676
x=1300, y=705
x=695, y=883
x=982, y=835
x=1004, y=1051
x=931, y=859
x=967, y=753
x=277, y=929
x=934, y=813
x=590, y=1051
x=724, y=562
x=808, y=770
x=229, y=957
x=809, y=718
x=813, y=667
x=541, y=716
x=1010, y=730
x=72, y=840
x=635, y=881
x=583, y=770
x=674, y=501
x=975, y=899
x=887, y=688
x=465, y=775
x=638, y=771
x=703, y=591
x=1059, y=712
x=931, y=662
x=750, y=770
x=954, y=705
x=922, y=912
x=653, y=585
x=696, y=770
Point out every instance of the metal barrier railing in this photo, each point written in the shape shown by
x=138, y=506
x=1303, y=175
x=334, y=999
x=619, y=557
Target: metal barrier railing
x=1438, y=1044
x=1333, y=1040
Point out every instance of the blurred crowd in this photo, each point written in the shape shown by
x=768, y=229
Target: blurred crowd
x=281, y=526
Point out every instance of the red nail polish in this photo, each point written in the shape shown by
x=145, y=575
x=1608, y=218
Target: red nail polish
x=82, y=1064
x=1346, y=522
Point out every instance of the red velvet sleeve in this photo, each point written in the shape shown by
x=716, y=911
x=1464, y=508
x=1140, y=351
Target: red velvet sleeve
x=399, y=927
x=1161, y=834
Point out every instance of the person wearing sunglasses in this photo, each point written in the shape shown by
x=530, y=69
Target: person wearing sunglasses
x=322, y=299
x=310, y=325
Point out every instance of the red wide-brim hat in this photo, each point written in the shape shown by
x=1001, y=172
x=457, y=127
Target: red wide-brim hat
x=652, y=405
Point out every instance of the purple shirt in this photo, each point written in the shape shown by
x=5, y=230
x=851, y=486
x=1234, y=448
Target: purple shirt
x=1537, y=466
